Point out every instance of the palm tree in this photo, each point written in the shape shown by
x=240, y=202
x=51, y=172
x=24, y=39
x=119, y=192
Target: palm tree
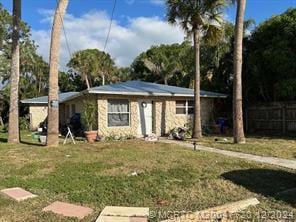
x=161, y=61
x=92, y=65
x=53, y=108
x=238, y=124
x=103, y=66
x=13, y=128
x=203, y=19
x=81, y=62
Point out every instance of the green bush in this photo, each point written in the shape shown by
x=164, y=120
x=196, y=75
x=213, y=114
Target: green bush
x=114, y=137
x=24, y=123
x=4, y=128
x=89, y=114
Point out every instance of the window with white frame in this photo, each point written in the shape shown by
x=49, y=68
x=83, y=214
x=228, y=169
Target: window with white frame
x=118, y=112
x=184, y=107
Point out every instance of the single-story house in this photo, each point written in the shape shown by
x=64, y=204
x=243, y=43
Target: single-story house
x=130, y=108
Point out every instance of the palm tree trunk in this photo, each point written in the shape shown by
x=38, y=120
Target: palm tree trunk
x=39, y=86
x=53, y=108
x=1, y=121
x=197, y=133
x=238, y=124
x=13, y=128
x=103, y=79
x=165, y=81
x=86, y=81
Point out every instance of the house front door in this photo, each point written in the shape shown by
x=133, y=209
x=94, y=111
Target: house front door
x=145, y=117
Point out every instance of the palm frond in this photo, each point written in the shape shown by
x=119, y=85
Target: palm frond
x=249, y=23
x=151, y=66
x=213, y=35
x=197, y=14
x=213, y=5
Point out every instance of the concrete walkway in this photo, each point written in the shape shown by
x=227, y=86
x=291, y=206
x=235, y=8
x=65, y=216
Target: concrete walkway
x=291, y=164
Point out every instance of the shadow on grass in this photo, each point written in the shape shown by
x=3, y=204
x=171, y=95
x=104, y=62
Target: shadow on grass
x=271, y=136
x=31, y=143
x=3, y=140
x=254, y=136
x=277, y=184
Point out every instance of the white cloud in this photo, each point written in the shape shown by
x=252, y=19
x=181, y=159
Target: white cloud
x=125, y=43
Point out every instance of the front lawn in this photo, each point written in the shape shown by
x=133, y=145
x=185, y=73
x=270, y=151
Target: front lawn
x=264, y=146
x=169, y=178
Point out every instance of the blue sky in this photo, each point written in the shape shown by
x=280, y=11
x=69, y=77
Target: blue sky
x=124, y=9
x=138, y=24
x=256, y=9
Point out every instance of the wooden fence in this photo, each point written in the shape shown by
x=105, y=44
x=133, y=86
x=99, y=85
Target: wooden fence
x=272, y=117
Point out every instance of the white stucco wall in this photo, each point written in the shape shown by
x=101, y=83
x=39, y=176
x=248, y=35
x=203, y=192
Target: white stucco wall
x=38, y=114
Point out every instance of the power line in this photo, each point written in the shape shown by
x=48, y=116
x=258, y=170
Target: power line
x=65, y=33
x=110, y=26
x=108, y=34
x=66, y=38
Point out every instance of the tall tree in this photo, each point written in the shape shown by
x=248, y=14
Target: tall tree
x=103, y=66
x=13, y=128
x=71, y=81
x=203, y=19
x=81, y=63
x=121, y=75
x=168, y=64
x=270, y=64
x=29, y=63
x=53, y=104
x=161, y=61
x=93, y=66
x=238, y=124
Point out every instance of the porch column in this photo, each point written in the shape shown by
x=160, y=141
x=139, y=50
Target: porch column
x=157, y=117
x=169, y=116
x=102, y=116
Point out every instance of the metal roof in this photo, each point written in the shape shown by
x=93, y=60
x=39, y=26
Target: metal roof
x=139, y=88
x=149, y=89
x=44, y=99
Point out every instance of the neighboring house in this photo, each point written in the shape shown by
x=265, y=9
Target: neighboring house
x=130, y=108
x=38, y=108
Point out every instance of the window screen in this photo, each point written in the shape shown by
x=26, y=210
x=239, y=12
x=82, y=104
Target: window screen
x=118, y=113
x=184, y=107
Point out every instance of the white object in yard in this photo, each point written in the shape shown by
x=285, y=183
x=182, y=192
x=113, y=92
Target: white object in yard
x=42, y=139
x=69, y=134
x=134, y=173
x=40, y=130
x=225, y=139
x=151, y=137
x=124, y=214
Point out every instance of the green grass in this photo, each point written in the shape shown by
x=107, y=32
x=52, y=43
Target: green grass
x=169, y=178
x=263, y=146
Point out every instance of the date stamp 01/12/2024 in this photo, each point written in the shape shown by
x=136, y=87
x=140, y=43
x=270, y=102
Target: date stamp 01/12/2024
x=244, y=215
